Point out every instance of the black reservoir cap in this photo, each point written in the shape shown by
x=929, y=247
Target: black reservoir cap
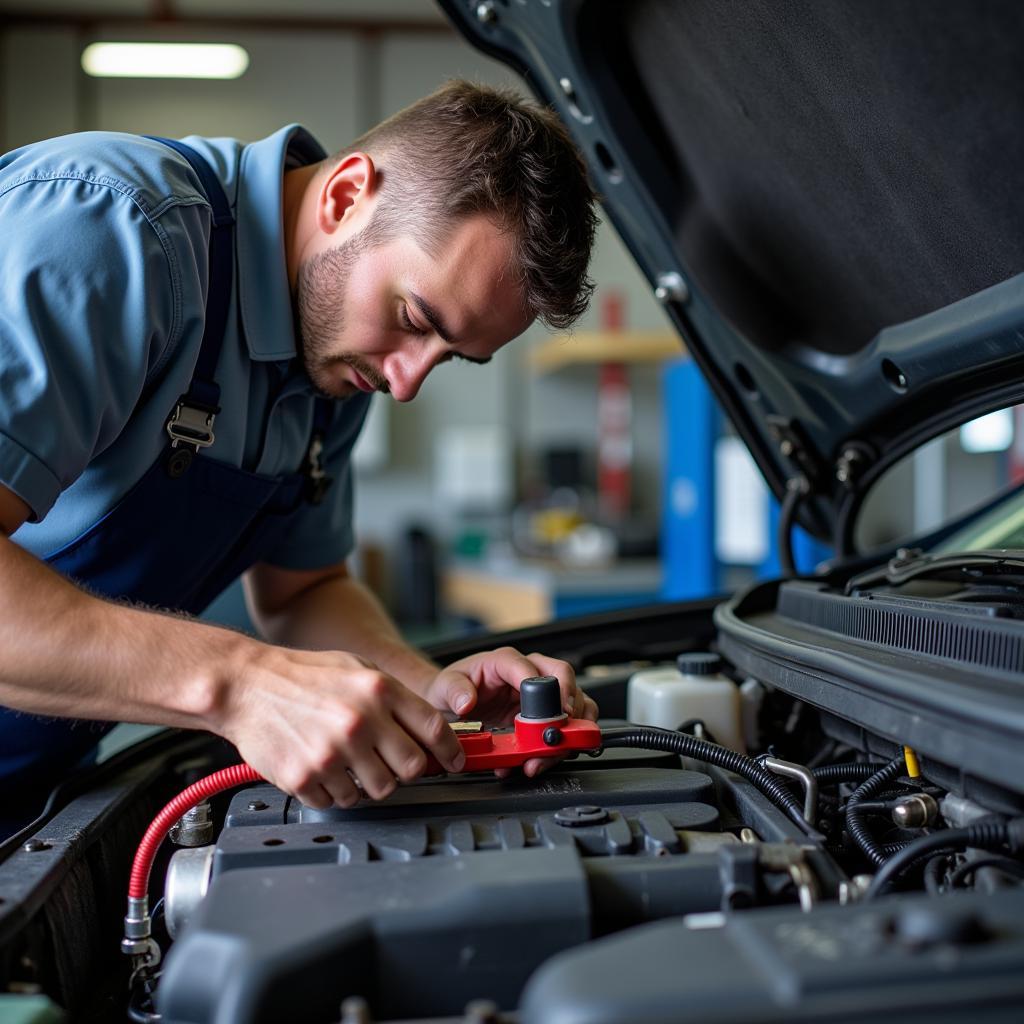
x=698, y=663
x=540, y=697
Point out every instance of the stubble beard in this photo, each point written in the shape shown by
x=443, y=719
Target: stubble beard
x=320, y=305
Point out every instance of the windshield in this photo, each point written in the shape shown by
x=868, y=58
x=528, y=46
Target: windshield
x=1000, y=528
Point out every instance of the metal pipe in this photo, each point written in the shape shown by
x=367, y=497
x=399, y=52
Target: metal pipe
x=806, y=779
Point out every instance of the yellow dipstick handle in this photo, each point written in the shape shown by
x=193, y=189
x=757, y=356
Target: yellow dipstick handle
x=913, y=765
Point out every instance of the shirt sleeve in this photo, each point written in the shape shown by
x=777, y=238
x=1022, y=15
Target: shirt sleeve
x=323, y=534
x=89, y=306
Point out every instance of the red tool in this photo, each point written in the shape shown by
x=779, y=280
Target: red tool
x=541, y=729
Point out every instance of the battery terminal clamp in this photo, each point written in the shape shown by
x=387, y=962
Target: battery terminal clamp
x=541, y=729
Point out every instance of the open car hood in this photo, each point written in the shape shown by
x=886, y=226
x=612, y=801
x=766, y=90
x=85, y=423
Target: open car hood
x=825, y=197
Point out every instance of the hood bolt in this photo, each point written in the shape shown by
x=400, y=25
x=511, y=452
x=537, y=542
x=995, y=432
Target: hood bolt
x=671, y=287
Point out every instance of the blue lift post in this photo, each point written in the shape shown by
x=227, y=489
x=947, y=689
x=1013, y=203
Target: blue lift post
x=693, y=424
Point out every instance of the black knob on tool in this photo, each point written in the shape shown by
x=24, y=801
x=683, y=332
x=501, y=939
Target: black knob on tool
x=540, y=697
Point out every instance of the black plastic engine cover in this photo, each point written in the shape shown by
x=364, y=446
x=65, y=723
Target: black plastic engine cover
x=898, y=960
x=451, y=890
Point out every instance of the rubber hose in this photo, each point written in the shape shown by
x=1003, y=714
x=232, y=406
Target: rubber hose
x=933, y=872
x=851, y=771
x=1004, y=864
x=785, y=535
x=648, y=737
x=981, y=836
x=226, y=778
x=838, y=850
x=867, y=789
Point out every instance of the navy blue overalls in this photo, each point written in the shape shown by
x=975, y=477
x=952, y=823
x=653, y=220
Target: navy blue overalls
x=187, y=529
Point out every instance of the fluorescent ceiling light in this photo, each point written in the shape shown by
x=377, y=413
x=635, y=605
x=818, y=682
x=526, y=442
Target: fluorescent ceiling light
x=164, y=60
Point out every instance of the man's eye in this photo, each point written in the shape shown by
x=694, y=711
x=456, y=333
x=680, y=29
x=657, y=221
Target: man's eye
x=407, y=321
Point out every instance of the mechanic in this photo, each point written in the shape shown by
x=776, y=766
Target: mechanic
x=189, y=338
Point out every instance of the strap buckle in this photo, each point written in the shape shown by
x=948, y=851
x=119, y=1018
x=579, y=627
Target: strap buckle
x=317, y=480
x=191, y=425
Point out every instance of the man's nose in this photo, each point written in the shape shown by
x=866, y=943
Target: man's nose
x=407, y=369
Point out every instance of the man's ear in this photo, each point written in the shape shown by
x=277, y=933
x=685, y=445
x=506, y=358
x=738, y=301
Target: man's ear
x=351, y=182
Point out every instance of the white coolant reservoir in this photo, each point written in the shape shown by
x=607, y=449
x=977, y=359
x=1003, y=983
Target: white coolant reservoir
x=695, y=688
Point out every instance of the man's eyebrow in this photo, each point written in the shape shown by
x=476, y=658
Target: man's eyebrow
x=432, y=317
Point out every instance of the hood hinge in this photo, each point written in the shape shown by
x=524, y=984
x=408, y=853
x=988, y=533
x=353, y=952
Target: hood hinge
x=854, y=458
x=795, y=445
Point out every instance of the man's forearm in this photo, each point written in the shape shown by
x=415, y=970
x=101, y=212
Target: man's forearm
x=340, y=613
x=68, y=653
x=307, y=721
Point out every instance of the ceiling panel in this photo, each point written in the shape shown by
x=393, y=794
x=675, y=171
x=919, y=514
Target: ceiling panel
x=408, y=11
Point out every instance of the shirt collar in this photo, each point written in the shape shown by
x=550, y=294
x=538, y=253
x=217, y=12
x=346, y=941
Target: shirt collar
x=264, y=295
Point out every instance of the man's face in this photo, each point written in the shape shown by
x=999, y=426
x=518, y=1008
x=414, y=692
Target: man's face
x=380, y=317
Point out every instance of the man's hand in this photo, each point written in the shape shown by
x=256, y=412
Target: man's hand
x=486, y=686
x=312, y=721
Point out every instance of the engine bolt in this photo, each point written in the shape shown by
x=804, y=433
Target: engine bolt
x=670, y=287
x=577, y=817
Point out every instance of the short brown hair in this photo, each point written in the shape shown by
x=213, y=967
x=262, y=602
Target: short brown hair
x=468, y=149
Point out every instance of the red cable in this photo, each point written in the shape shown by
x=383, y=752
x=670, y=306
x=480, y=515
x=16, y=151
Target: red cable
x=227, y=778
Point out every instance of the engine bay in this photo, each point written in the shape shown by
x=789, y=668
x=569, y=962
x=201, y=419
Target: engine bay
x=825, y=872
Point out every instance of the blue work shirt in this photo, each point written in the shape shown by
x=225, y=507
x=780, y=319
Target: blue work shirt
x=103, y=274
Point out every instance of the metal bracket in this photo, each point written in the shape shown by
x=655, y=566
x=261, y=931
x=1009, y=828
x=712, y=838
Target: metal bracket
x=317, y=481
x=191, y=425
x=795, y=445
x=853, y=460
x=785, y=857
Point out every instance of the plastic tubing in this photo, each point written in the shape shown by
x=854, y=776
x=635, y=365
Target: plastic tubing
x=982, y=836
x=227, y=778
x=867, y=789
x=852, y=771
x=646, y=737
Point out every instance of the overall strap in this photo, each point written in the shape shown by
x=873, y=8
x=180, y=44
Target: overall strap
x=317, y=479
x=191, y=424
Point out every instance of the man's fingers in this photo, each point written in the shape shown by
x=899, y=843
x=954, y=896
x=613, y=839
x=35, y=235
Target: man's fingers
x=342, y=790
x=426, y=725
x=405, y=759
x=316, y=796
x=572, y=698
x=590, y=709
x=536, y=765
x=376, y=778
x=457, y=691
x=513, y=667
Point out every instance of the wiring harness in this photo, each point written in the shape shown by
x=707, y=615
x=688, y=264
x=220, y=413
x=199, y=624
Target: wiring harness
x=650, y=738
x=990, y=835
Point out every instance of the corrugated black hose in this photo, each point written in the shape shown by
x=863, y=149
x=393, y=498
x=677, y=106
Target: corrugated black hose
x=648, y=737
x=861, y=795
x=852, y=771
x=984, y=835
